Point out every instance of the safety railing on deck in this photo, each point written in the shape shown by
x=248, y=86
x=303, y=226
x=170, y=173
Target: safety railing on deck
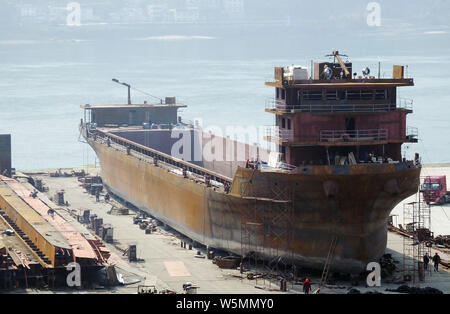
x=280, y=105
x=178, y=163
x=353, y=136
x=412, y=133
x=274, y=133
x=405, y=103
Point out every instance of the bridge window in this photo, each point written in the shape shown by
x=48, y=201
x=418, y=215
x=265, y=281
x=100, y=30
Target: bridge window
x=312, y=95
x=332, y=95
x=359, y=95
x=366, y=94
x=381, y=94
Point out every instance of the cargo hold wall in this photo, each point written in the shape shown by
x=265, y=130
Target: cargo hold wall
x=225, y=155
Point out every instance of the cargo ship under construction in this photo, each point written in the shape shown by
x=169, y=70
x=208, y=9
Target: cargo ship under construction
x=325, y=193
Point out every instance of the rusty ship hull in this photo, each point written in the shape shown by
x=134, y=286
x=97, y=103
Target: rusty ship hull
x=293, y=214
x=322, y=196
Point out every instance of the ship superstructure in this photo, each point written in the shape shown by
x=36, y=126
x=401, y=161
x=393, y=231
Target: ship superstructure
x=337, y=113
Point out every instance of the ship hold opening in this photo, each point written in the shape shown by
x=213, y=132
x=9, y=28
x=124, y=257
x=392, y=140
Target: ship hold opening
x=217, y=154
x=158, y=128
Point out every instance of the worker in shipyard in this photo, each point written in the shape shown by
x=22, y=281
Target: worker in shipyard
x=346, y=137
x=436, y=261
x=307, y=286
x=34, y=194
x=426, y=261
x=227, y=187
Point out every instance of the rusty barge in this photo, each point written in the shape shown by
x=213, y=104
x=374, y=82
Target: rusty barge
x=332, y=181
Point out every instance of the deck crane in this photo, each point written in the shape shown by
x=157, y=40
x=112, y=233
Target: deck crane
x=337, y=56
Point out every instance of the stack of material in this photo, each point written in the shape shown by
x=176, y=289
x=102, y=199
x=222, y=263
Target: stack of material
x=117, y=208
x=98, y=226
x=59, y=198
x=132, y=253
x=107, y=234
x=228, y=262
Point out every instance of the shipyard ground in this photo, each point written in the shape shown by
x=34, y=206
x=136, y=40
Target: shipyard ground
x=164, y=264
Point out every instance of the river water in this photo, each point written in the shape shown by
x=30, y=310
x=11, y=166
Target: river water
x=220, y=76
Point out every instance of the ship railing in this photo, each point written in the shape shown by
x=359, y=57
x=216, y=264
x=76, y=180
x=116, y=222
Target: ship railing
x=124, y=144
x=272, y=103
x=279, y=166
x=190, y=122
x=274, y=133
x=353, y=136
x=280, y=105
x=412, y=133
x=405, y=103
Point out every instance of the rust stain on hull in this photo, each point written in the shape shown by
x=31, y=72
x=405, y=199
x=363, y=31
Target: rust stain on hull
x=352, y=202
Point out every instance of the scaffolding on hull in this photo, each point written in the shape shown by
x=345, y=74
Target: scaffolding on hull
x=417, y=221
x=266, y=237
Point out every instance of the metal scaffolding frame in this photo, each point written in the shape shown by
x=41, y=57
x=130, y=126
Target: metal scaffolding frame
x=417, y=221
x=266, y=237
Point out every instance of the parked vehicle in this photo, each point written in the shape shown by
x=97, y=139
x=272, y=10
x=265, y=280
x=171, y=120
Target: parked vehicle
x=434, y=190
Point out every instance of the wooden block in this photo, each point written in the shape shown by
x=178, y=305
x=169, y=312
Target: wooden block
x=279, y=72
x=399, y=72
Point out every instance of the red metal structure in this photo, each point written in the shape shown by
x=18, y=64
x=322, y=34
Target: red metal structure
x=330, y=115
x=434, y=190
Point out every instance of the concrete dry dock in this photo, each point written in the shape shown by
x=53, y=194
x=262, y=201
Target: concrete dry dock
x=167, y=266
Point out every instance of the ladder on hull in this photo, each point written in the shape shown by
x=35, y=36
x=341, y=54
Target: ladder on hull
x=329, y=261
